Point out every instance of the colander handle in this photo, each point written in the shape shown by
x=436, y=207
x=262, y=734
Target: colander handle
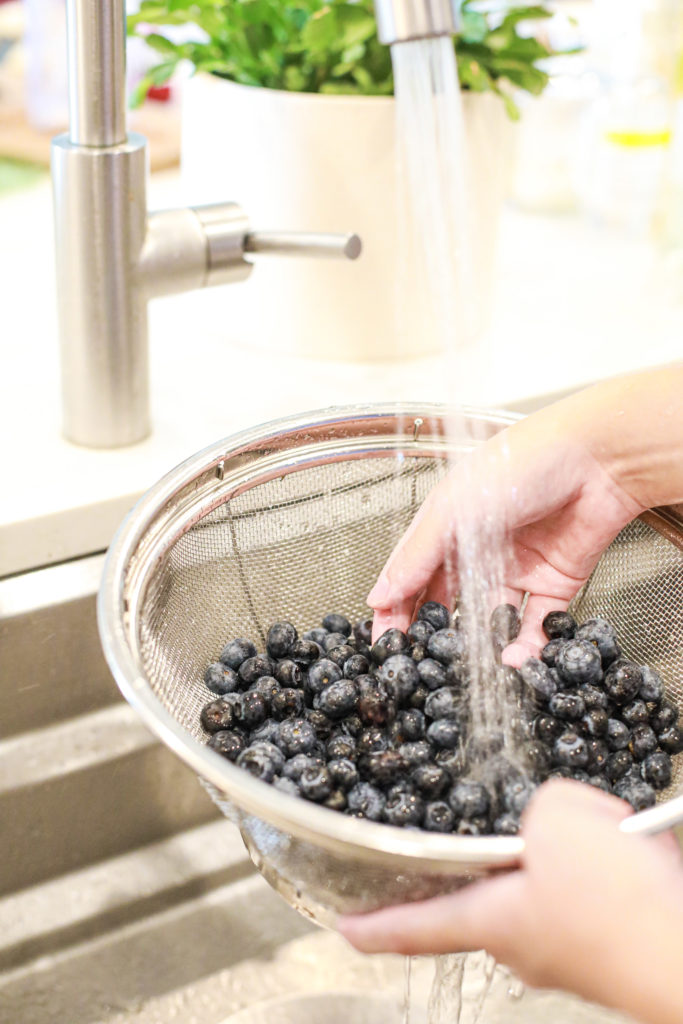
x=659, y=818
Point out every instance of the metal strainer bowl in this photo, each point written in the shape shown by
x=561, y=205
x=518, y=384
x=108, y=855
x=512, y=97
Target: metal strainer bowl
x=294, y=519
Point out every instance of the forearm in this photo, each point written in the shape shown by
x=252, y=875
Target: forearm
x=633, y=426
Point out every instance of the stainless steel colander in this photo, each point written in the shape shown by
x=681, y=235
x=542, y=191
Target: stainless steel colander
x=291, y=520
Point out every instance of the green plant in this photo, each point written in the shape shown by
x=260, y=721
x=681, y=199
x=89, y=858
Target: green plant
x=331, y=46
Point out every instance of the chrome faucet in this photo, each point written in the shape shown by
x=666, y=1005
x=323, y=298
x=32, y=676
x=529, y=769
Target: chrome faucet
x=113, y=256
x=399, y=21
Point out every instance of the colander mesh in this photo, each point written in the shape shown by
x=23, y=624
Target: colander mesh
x=313, y=540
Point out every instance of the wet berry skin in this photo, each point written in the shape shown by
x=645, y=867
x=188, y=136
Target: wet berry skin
x=656, y=769
x=643, y=741
x=228, y=743
x=253, y=668
x=579, y=662
x=547, y=728
x=603, y=635
x=445, y=733
x=286, y=785
x=437, y=615
x=419, y=697
x=252, y=709
x=598, y=753
x=635, y=713
x=403, y=808
x=289, y=674
x=363, y=631
x=505, y=624
x=419, y=632
x=570, y=750
x=220, y=679
x=340, y=655
x=559, y=624
x=268, y=730
x=340, y=747
x=305, y=652
x=237, y=651
x=623, y=681
x=287, y=703
x=268, y=686
x=416, y=752
x=281, y=638
x=263, y=760
x=343, y=773
x=366, y=801
x=297, y=736
x=538, y=680
x=315, y=783
x=594, y=697
x=321, y=723
x=639, y=794
x=399, y=673
x=506, y=825
x=618, y=764
x=376, y=703
x=652, y=686
x=551, y=650
x=370, y=739
x=356, y=665
x=566, y=706
x=294, y=766
x=392, y=641
x=443, y=703
x=438, y=817
x=432, y=673
x=594, y=723
x=339, y=699
x=333, y=640
x=321, y=674
x=664, y=716
x=469, y=799
x=381, y=767
x=335, y=623
x=671, y=740
x=430, y=780
x=446, y=646
x=217, y=715
x=618, y=734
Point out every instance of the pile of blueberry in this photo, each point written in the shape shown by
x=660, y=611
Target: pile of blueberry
x=382, y=731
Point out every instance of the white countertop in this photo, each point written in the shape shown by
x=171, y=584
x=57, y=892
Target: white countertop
x=572, y=305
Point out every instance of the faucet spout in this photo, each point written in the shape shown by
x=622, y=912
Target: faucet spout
x=399, y=21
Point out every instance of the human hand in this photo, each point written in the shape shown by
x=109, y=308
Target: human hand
x=591, y=910
x=556, y=506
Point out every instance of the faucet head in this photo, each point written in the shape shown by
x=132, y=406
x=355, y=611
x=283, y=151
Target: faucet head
x=401, y=20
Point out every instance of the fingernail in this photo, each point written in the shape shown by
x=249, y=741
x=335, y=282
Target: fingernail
x=379, y=595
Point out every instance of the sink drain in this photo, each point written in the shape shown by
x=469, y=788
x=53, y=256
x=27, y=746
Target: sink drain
x=323, y=1008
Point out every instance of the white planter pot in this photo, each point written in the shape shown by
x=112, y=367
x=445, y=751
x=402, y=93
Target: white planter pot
x=309, y=162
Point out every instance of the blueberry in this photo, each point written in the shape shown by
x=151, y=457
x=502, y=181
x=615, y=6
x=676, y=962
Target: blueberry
x=656, y=769
x=305, y=652
x=340, y=746
x=289, y=674
x=505, y=624
x=381, y=767
x=618, y=764
x=400, y=674
x=281, y=638
x=220, y=679
x=343, y=772
x=356, y=665
x=437, y=615
x=415, y=752
x=438, y=817
x=268, y=730
x=671, y=740
x=538, y=680
x=237, y=651
x=376, y=704
x=663, y=716
x=336, y=801
x=594, y=697
x=579, y=662
x=643, y=741
x=418, y=697
x=567, y=706
x=430, y=780
x=253, y=668
x=321, y=723
x=598, y=753
x=551, y=650
x=635, y=713
x=297, y=736
x=218, y=715
x=447, y=646
x=443, y=703
x=363, y=631
x=419, y=632
x=579, y=775
x=559, y=624
x=294, y=766
x=444, y=733
x=263, y=760
x=452, y=761
x=506, y=825
x=623, y=680
x=432, y=673
x=599, y=782
x=594, y=723
x=403, y=808
x=482, y=746
x=410, y=725
x=268, y=686
x=252, y=709
x=321, y=674
x=469, y=799
x=652, y=686
x=317, y=635
x=536, y=756
x=339, y=699
x=511, y=684
x=637, y=793
x=228, y=743
x=570, y=750
x=365, y=801
x=351, y=726
x=472, y=827
x=392, y=641
x=287, y=703
x=333, y=640
x=547, y=728
x=285, y=785
x=618, y=734
x=315, y=783
x=600, y=633
x=334, y=623
x=371, y=739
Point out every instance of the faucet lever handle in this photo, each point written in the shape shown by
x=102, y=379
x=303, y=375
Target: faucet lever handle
x=303, y=243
